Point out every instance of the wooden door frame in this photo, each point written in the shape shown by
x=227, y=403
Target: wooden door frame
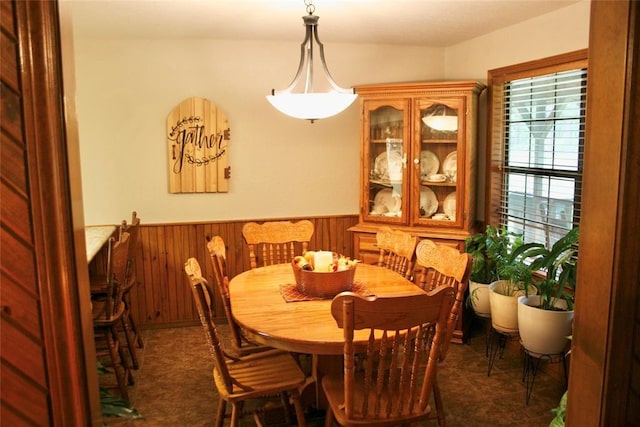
x=605, y=334
x=57, y=216
x=599, y=385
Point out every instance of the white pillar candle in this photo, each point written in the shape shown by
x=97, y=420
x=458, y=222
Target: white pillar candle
x=322, y=261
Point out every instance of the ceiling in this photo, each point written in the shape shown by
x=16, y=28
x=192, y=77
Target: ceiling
x=409, y=22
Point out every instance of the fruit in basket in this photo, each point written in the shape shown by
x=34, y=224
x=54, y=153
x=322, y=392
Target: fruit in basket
x=299, y=263
x=310, y=256
x=344, y=263
x=305, y=262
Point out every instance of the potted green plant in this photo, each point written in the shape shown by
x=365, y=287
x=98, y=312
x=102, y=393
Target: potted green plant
x=490, y=251
x=514, y=280
x=114, y=406
x=545, y=319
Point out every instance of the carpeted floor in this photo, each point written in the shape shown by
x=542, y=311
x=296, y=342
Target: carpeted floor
x=174, y=386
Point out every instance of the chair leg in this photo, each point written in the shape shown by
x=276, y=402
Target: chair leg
x=437, y=397
x=222, y=408
x=295, y=396
x=137, y=337
x=235, y=415
x=256, y=419
x=284, y=398
x=328, y=419
x=113, y=344
x=127, y=365
x=130, y=338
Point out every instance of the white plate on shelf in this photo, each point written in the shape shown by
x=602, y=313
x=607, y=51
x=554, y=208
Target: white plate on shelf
x=386, y=202
x=450, y=165
x=449, y=205
x=429, y=163
x=388, y=166
x=428, y=201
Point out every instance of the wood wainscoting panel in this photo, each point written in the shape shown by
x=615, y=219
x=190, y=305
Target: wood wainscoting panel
x=162, y=297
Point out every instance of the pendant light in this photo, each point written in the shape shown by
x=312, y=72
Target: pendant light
x=305, y=103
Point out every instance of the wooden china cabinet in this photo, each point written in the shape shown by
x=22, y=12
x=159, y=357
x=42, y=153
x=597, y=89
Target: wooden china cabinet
x=418, y=160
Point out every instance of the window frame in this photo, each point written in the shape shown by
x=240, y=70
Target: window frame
x=496, y=148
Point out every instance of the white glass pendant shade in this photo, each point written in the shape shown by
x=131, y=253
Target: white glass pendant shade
x=311, y=106
x=299, y=100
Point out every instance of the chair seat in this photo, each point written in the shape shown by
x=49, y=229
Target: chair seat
x=261, y=374
x=333, y=387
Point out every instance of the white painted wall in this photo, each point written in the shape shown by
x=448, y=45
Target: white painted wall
x=280, y=167
x=562, y=31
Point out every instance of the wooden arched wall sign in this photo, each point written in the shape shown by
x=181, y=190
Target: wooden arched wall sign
x=198, y=139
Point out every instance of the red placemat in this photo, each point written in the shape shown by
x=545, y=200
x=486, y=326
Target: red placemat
x=290, y=293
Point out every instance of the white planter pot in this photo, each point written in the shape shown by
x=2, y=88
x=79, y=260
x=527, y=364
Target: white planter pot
x=479, y=295
x=543, y=331
x=504, y=308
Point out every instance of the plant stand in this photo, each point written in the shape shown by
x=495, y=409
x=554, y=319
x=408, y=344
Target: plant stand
x=496, y=341
x=531, y=365
x=486, y=327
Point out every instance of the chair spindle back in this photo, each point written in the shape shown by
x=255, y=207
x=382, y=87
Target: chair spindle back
x=398, y=374
x=444, y=265
x=276, y=242
x=397, y=250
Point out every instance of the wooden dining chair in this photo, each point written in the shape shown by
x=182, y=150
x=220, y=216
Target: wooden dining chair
x=397, y=250
x=254, y=376
x=133, y=228
x=218, y=254
x=394, y=385
x=276, y=242
x=108, y=310
x=98, y=284
x=444, y=265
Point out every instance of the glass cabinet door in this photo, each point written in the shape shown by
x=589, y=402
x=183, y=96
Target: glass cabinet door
x=439, y=162
x=385, y=153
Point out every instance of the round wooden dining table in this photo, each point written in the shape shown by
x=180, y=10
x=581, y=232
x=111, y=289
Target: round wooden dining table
x=259, y=307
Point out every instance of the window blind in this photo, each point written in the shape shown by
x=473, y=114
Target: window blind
x=537, y=143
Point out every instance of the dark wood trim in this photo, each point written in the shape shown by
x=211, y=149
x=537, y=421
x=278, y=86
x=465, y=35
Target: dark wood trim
x=603, y=379
x=51, y=216
x=495, y=144
x=551, y=64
